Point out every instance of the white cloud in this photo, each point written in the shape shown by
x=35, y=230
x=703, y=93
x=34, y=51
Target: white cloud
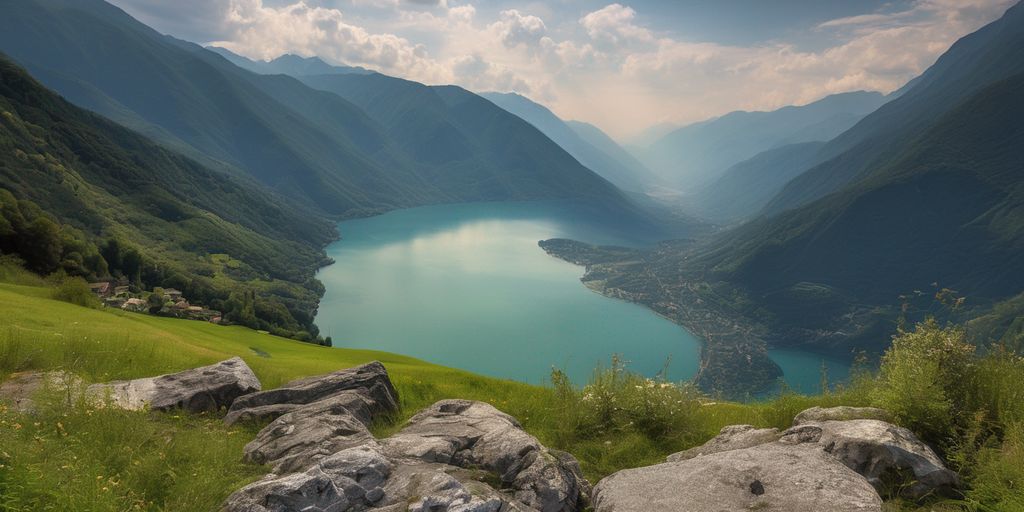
x=516, y=29
x=613, y=27
x=264, y=32
x=474, y=72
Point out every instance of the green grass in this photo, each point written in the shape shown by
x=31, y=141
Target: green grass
x=204, y=457
x=73, y=456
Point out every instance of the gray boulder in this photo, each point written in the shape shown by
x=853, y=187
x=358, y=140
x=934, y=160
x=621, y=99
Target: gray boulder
x=773, y=476
x=472, y=434
x=733, y=437
x=22, y=390
x=363, y=478
x=350, y=480
x=370, y=379
x=310, y=432
x=841, y=413
x=892, y=458
x=429, y=487
x=197, y=390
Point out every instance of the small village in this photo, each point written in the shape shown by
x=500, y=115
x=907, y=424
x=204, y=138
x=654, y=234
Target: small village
x=118, y=294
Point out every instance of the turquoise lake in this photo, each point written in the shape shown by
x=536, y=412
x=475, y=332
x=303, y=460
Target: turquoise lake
x=467, y=286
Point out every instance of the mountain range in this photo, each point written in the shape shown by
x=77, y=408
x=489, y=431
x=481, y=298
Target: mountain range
x=918, y=211
x=310, y=145
x=587, y=143
x=696, y=155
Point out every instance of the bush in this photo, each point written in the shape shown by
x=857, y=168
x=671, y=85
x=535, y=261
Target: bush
x=922, y=379
x=74, y=290
x=617, y=400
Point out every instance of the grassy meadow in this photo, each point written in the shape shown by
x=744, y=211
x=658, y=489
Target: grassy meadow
x=74, y=456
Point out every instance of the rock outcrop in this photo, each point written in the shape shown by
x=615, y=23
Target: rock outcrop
x=298, y=439
x=203, y=389
x=830, y=456
x=351, y=479
x=840, y=413
x=891, y=458
x=370, y=379
x=363, y=478
x=733, y=437
x=770, y=476
x=21, y=390
x=325, y=458
x=476, y=435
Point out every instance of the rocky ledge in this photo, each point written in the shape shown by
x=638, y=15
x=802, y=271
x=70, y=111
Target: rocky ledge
x=466, y=456
x=839, y=459
x=457, y=455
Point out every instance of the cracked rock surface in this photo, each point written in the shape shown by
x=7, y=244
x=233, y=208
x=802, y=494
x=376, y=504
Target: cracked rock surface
x=204, y=389
x=455, y=456
x=841, y=458
x=770, y=476
x=891, y=458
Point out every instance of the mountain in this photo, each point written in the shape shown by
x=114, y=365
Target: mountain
x=126, y=206
x=994, y=53
x=450, y=131
x=585, y=142
x=744, y=189
x=697, y=154
x=310, y=145
x=932, y=224
x=650, y=135
x=288, y=64
x=938, y=203
x=946, y=212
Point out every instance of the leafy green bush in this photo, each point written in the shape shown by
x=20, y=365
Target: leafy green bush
x=74, y=290
x=997, y=481
x=922, y=379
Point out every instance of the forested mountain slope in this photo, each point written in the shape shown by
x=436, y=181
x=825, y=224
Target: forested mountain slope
x=90, y=197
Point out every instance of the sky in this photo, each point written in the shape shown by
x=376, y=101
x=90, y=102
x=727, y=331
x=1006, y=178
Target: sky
x=623, y=66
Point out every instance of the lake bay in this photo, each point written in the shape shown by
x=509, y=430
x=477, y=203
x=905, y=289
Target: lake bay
x=467, y=286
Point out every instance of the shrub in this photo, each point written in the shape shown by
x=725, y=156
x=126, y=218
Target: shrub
x=617, y=400
x=998, y=477
x=921, y=379
x=74, y=290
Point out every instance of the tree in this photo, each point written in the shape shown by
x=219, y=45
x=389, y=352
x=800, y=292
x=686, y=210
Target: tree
x=41, y=245
x=155, y=301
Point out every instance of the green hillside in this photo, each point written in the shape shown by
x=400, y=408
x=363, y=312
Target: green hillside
x=947, y=213
x=102, y=183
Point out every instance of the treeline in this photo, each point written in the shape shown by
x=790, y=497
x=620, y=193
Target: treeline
x=48, y=247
